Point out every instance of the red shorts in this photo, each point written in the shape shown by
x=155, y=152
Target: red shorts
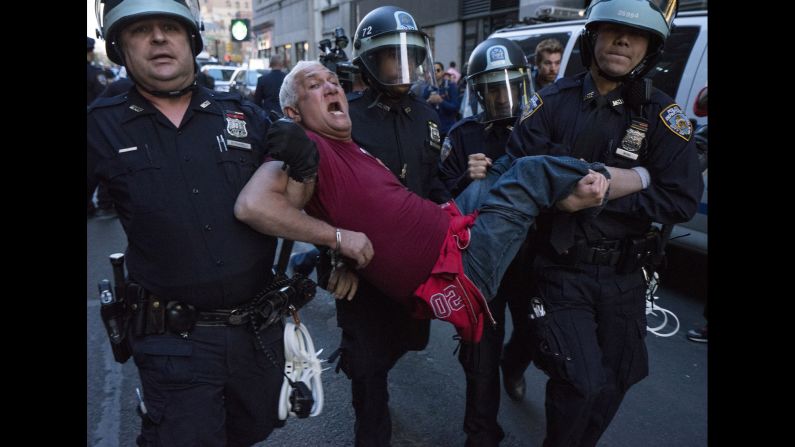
x=448, y=294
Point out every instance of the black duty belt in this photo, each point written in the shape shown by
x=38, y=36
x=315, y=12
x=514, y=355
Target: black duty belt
x=606, y=252
x=223, y=317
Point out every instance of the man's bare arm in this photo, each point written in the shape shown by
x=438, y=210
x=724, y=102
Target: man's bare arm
x=623, y=182
x=271, y=203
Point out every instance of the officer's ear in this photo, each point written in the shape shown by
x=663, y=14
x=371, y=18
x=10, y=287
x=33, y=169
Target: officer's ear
x=293, y=114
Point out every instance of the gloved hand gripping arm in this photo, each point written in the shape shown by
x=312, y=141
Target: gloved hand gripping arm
x=287, y=142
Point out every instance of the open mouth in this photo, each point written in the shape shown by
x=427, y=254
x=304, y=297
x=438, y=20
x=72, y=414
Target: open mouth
x=335, y=108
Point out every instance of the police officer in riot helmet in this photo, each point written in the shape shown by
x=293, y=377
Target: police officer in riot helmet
x=391, y=51
x=174, y=156
x=499, y=75
x=120, y=13
x=402, y=131
x=591, y=271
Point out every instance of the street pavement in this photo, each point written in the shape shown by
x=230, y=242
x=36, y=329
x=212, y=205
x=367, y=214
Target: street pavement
x=427, y=388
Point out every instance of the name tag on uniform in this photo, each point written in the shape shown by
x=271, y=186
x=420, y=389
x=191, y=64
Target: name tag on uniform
x=128, y=149
x=238, y=144
x=627, y=154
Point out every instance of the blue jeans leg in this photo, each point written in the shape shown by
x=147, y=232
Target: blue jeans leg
x=473, y=195
x=509, y=208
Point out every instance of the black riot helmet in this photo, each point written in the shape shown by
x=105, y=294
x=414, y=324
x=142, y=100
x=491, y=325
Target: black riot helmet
x=391, y=51
x=113, y=15
x=498, y=73
x=651, y=16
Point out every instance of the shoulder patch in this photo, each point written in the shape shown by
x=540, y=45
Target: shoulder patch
x=533, y=105
x=676, y=121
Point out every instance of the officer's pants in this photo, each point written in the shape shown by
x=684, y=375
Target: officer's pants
x=481, y=361
x=590, y=344
x=376, y=332
x=213, y=388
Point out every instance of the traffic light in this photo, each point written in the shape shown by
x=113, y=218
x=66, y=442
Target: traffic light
x=240, y=30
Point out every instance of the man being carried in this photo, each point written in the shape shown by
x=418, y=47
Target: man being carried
x=406, y=246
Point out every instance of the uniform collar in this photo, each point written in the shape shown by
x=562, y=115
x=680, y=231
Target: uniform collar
x=590, y=92
x=403, y=105
x=204, y=101
x=201, y=101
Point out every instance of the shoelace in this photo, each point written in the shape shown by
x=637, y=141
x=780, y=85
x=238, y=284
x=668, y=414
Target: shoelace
x=301, y=364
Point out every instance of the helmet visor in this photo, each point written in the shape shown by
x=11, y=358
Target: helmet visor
x=503, y=93
x=400, y=59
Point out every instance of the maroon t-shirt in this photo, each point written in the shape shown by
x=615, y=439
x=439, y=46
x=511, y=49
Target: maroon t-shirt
x=354, y=191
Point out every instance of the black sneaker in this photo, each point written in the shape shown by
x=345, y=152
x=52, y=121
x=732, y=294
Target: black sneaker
x=697, y=335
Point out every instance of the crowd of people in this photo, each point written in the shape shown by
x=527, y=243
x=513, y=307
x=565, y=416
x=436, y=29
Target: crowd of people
x=542, y=202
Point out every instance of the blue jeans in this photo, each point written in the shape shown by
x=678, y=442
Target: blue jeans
x=508, y=205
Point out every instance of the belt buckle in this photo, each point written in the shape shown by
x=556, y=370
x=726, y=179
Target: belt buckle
x=236, y=318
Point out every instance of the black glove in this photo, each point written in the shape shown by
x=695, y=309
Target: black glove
x=287, y=142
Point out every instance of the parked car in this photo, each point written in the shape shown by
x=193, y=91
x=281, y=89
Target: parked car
x=222, y=75
x=681, y=73
x=244, y=81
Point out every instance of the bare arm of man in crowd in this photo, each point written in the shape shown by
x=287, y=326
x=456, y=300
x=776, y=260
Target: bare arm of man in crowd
x=271, y=203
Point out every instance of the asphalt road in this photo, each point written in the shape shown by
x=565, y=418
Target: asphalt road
x=427, y=388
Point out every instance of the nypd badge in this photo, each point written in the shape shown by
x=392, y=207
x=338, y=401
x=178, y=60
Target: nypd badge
x=633, y=140
x=236, y=124
x=533, y=104
x=676, y=121
x=434, y=135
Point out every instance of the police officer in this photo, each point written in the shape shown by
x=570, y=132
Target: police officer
x=589, y=303
x=95, y=76
x=403, y=132
x=175, y=156
x=467, y=153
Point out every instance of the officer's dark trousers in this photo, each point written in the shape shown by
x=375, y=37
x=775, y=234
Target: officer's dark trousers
x=481, y=362
x=591, y=345
x=376, y=332
x=214, y=388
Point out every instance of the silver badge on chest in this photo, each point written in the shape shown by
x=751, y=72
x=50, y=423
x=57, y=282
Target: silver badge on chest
x=236, y=127
x=633, y=140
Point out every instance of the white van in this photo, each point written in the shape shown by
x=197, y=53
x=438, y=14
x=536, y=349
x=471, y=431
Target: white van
x=681, y=73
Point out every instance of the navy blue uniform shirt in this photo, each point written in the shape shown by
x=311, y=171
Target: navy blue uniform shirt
x=555, y=124
x=404, y=135
x=466, y=137
x=175, y=190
